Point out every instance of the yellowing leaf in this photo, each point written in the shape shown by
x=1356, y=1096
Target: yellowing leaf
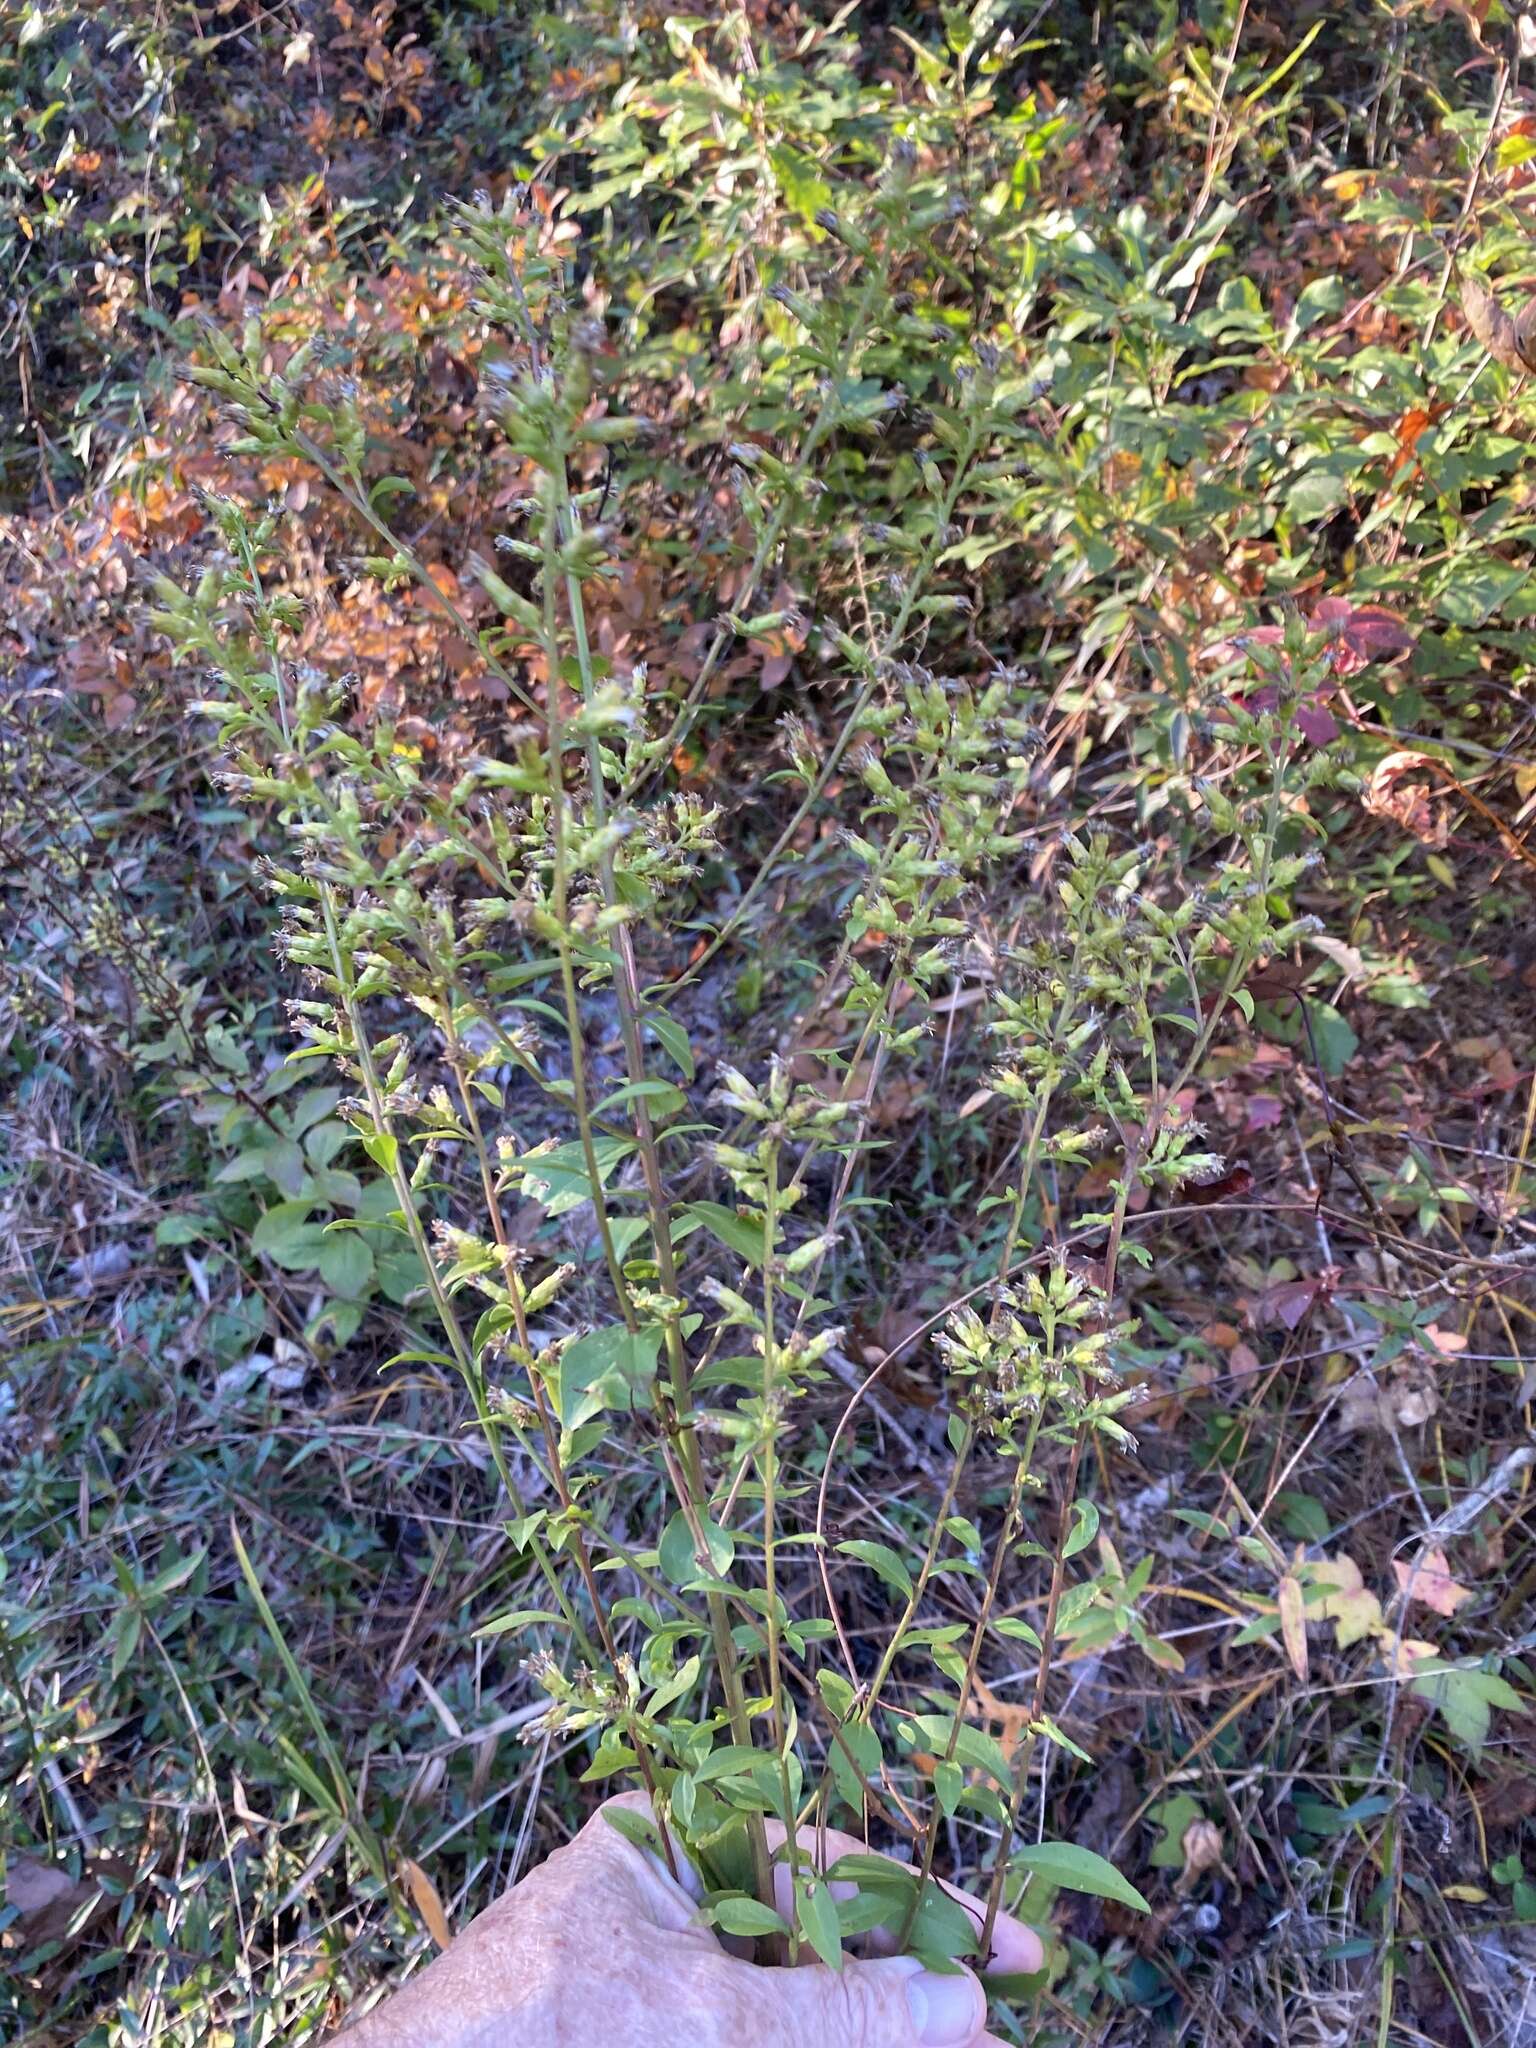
x=1293, y=1624
x=424, y=1897
x=1349, y=1605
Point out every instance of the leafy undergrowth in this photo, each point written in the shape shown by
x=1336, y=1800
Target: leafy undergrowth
x=871, y=712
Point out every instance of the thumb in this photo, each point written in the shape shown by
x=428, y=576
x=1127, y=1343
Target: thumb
x=892, y=2003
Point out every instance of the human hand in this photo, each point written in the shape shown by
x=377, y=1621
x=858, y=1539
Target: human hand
x=601, y=1948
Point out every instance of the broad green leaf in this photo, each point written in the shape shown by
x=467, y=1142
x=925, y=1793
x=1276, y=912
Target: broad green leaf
x=559, y=1178
x=738, y=1234
x=675, y=1039
x=882, y=1560
x=383, y=1148
x=816, y=1915
x=742, y=1915
x=1085, y=1527
x=664, y=1099
x=679, y=1566
x=346, y=1264
x=183, y=1227
x=610, y=1368
x=1079, y=1870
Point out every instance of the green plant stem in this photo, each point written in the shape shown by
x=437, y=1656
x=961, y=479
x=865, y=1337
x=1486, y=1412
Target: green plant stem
x=464, y=1358
x=565, y=527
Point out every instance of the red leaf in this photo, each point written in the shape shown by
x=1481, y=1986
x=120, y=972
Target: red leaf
x=1227, y=1187
x=1315, y=722
x=1263, y=1112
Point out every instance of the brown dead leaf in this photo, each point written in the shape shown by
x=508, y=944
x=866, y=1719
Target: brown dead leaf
x=1501, y=335
x=1402, y=789
x=424, y=1896
x=1427, y=1582
x=1012, y=1722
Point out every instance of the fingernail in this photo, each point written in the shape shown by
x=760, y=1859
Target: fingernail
x=943, y=2009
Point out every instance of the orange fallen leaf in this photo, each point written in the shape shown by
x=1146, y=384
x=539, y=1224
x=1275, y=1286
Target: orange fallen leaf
x=1012, y=1721
x=424, y=1896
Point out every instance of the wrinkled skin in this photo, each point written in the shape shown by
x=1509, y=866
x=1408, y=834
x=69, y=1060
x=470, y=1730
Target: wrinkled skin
x=600, y=1948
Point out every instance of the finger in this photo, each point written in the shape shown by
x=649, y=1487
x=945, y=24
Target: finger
x=1015, y=1947
x=664, y=1891
x=892, y=2003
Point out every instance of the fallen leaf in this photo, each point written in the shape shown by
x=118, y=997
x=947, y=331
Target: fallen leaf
x=1230, y=1186
x=1349, y=1604
x=1400, y=788
x=1427, y=1582
x=424, y=1896
x=1293, y=1624
x=1012, y=1721
x=1489, y=322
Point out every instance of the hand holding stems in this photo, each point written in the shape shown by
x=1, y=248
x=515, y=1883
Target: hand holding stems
x=601, y=1948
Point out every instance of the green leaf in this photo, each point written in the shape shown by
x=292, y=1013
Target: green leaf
x=943, y=1929
x=176, y=1574
x=741, y=1915
x=346, y=1264
x=1334, y=1036
x=285, y=1235
x=1315, y=496
x=835, y=1690
x=559, y=1178
x=675, y=1039
x=400, y=1273
x=1322, y=296
x=124, y=1637
x=817, y=1916
x=520, y=1618
x=1173, y=1816
x=610, y=1368
x=638, y=1829
x=183, y=1228
x=673, y=1688
x=737, y=1233
x=948, y=1786
x=1465, y=1697
x=804, y=190
x=663, y=1097
x=1079, y=1870
x=854, y=1756
x=383, y=1148
x=881, y=1560
x=679, y=1566
x=1085, y=1527
x=1473, y=593
x=1332, y=1032
x=1020, y=1631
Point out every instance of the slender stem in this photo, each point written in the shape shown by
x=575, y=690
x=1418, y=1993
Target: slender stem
x=464, y=1358
x=565, y=526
